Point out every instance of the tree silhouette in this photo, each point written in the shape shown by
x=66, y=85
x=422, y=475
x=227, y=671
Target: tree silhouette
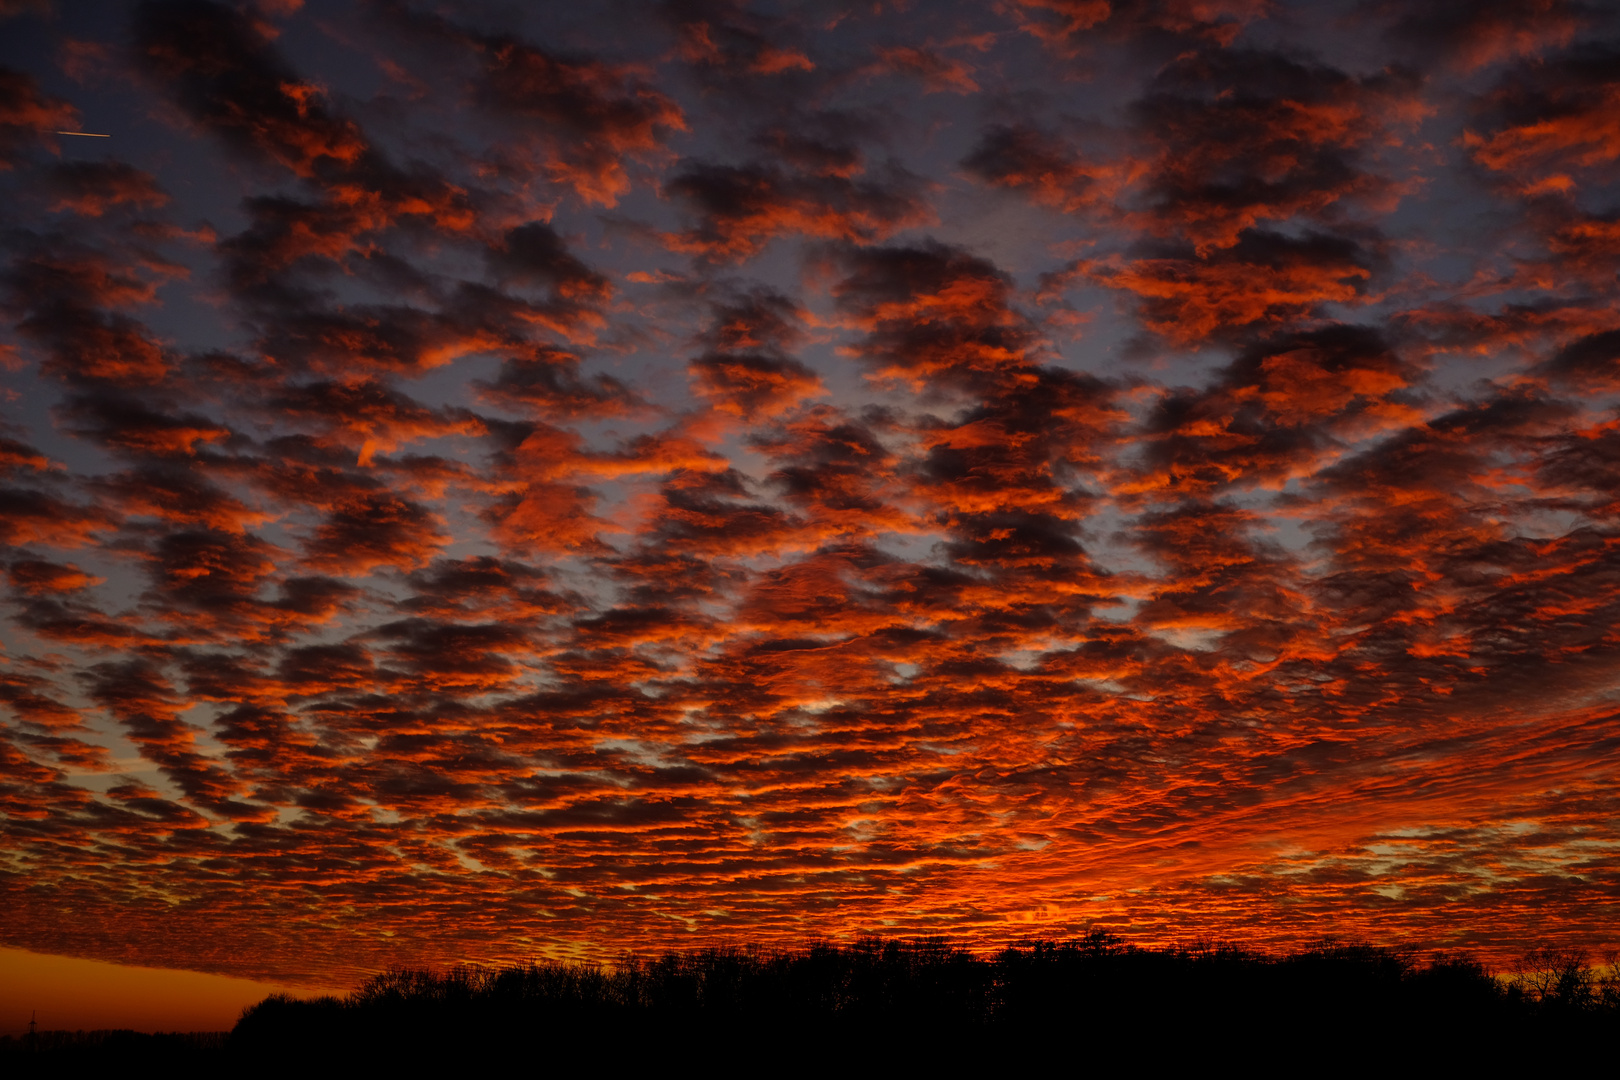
x=1093, y=999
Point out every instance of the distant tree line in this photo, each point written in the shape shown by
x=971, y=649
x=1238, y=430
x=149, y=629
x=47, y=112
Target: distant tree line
x=1082, y=1002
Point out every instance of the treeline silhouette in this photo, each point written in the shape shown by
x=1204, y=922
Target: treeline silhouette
x=1094, y=999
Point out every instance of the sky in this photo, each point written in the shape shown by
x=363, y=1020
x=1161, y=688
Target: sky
x=57, y=993
x=492, y=480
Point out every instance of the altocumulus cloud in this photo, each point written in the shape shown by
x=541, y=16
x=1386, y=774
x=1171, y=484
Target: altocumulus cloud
x=489, y=484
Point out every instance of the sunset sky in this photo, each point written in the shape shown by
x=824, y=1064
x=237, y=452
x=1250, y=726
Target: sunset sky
x=482, y=480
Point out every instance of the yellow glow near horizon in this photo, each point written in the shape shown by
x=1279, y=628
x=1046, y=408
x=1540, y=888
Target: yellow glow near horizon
x=72, y=994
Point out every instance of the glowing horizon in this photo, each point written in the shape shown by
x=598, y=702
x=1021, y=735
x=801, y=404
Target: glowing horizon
x=60, y=993
x=627, y=476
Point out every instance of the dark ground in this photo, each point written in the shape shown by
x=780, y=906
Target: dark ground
x=1072, y=1007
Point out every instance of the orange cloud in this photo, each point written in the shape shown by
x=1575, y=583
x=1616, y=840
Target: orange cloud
x=1266, y=279
x=1553, y=124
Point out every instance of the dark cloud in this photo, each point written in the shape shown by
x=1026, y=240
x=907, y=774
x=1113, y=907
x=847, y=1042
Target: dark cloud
x=548, y=380
x=93, y=188
x=32, y=515
x=933, y=312
x=1246, y=137
x=31, y=117
x=1038, y=164
x=1282, y=409
x=376, y=530
x=738, y=209
x=748, y=371
x=73, y=301
x=1069, y=22
x=577, y=120
x=1474, y=34
x=38, y=576
x=938, y=73
x=603, y=118
x=533, y=254
x=228, y=78
x=1546, y=127
x=1591, y=363
x=139, y=429
x=368, y=416
x=724, y=38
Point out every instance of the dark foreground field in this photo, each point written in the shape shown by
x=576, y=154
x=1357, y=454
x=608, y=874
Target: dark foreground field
x=1078, y=1006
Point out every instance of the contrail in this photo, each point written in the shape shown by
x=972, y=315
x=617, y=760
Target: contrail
x=86, y=134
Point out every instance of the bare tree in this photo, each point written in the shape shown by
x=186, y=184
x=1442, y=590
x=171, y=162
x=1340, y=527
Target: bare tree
x=1608, y=980
x=1558, y=977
